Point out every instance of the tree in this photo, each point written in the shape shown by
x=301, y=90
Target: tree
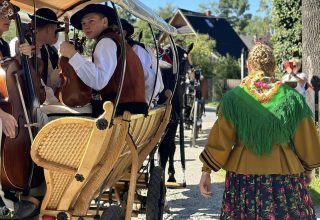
x=167, y=11
x=232, y=10
x=260, y=25
x=212, y=65
x=143, y=26
x=310, y=37
x=264, y=6
x=287, y=37
x=226, y=67
x=202, y=53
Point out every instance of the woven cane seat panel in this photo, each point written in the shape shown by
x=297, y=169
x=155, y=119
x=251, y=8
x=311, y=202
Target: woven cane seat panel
x=60, y=183
x=65, y=144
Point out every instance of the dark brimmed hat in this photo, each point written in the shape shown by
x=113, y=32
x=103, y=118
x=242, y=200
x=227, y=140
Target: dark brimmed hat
x=93, y=8
x=45, y=16
x=127, y=27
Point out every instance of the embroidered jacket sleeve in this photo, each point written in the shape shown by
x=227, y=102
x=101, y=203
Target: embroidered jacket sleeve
x=307, y=144
x=98, y=73
x=221, y=139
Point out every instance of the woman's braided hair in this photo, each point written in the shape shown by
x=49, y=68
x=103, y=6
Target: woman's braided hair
x=261, y=59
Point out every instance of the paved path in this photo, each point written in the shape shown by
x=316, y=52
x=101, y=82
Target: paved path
x=188, y=203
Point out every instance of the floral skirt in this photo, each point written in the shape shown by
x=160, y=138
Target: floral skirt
x=266, y=197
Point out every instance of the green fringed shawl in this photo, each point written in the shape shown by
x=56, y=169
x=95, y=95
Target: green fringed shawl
x=258, y=125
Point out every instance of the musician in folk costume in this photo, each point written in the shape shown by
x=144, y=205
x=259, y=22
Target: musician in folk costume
x=103, y=73
x=145, y=55
x=47, y=27
x=10, y=206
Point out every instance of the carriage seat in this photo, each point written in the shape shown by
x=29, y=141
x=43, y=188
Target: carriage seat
x=79, y=155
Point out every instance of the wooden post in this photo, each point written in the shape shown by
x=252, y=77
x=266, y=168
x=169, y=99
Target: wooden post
x=242, y=63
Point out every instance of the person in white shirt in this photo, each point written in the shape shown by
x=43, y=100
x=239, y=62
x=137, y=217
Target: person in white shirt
x=142, y=51
x=47, y=28
x=292, y=67
x=103, y=73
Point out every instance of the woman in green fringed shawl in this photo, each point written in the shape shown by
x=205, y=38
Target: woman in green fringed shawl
x=266, y=140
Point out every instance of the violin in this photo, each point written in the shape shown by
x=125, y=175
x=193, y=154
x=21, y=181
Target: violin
x=72, y=92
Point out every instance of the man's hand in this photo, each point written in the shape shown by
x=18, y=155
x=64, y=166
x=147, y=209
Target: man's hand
x=205, y=185
x=67, y=50
x=26, y=49
x=9, y=124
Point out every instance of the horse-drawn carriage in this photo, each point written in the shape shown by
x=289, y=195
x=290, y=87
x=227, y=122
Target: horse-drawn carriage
x=194, y=105
x=98, y=159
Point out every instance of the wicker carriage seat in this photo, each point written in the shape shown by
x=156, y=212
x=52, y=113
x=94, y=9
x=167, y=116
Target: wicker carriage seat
x=79, y=155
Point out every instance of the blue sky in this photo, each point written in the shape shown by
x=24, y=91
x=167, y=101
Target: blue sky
x=191, y=4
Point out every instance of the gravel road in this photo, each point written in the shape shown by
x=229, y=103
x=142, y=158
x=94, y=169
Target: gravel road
x=188, y=203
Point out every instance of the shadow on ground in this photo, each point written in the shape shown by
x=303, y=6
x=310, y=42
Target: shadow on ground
x=192, y=205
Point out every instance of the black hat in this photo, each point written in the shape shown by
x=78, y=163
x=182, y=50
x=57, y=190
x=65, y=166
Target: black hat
x=45, y=16
x=93, y=8
x=127, y=27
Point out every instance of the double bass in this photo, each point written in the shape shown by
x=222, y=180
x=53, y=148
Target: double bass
x=37, y=64
x=72, y=92
x=18, y=98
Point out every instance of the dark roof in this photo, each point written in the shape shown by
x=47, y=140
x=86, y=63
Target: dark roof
x=227, y=40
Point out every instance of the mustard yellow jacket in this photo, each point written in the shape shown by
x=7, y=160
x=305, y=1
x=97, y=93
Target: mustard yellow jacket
x=223, y=150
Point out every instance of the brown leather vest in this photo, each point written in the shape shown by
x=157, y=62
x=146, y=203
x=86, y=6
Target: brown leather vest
x=133, y=90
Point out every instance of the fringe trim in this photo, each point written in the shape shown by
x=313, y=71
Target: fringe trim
x=260, y=126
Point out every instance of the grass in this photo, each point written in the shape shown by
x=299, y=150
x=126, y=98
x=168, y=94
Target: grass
x=212, y=104
x=314, y=190
x=220, y=175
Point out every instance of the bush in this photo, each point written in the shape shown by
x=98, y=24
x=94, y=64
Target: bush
x=203, y=53
x=227, y=67
x=287, y=24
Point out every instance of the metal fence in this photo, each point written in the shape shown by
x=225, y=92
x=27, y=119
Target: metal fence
x=217, y=87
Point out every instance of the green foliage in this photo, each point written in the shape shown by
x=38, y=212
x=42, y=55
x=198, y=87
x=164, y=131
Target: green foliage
x=126, y=15
x=11, y=33
x=260, y=26
x=314, y=190
x=202, y=53
x=143, y=26
x=213, y=104
x=88, y=48
x=265, y=6
x=287, y=24
x=226, y=67
x=212, y=65
x=166, y=11
x=233, y=10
